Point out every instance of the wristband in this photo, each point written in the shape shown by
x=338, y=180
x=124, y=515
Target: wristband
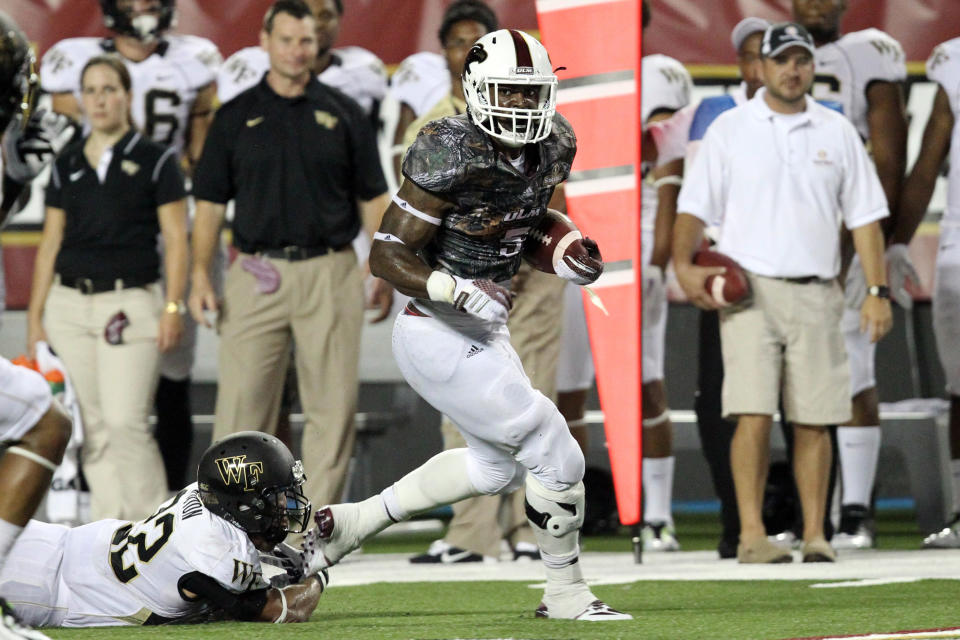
x=283, y=614
x=440, y=286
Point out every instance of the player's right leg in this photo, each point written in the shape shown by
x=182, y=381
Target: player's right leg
x=946, y=328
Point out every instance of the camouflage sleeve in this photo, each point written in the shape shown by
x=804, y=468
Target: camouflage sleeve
x=435, y=160
x=567, y=139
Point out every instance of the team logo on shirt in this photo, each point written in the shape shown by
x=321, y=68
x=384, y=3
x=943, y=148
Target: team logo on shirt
x=129, y=167
x=822, y=158
x=236, y=470
x=325, y=119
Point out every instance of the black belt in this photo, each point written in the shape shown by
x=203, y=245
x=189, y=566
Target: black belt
x=293, y=253
x=804, y=280
x=89, y=286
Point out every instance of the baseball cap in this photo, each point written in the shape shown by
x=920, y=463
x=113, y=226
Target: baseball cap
x=783, y=35
x=746, y=28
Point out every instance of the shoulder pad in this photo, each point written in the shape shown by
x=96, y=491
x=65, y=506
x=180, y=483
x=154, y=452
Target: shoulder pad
x=61, y=64
x=707, y=111
x=943, y=65
x=666, y=85
x=421, y=80
x=875, y=56
x=438, y=158
x=241, y=71
x=198, y=58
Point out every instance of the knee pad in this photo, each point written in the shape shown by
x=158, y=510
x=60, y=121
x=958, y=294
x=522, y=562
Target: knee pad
x=551, y=454
x=492, y=477
x=554, y=512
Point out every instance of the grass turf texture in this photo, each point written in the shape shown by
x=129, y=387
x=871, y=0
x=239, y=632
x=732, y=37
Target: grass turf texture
x=668, y=610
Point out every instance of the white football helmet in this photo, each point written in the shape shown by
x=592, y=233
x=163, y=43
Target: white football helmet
x=509, y=57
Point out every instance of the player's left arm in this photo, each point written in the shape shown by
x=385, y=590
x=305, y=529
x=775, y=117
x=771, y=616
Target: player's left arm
x=887, y=121
x=201, y=115
x=402, y=234
x=294, y=603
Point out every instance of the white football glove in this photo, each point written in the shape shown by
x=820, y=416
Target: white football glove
x=29, y=148
x=482, y=298
x=582, y=270
x=654, y=294
x=901, y=269
x=855, y=286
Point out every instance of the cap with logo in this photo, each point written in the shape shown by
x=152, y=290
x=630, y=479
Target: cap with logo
x=746, y=28
x=783, y=35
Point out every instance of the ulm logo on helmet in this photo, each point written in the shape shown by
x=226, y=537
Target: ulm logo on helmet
x=235, y=470
x=523, y=71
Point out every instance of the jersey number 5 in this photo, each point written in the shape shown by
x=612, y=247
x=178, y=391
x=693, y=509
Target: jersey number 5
x=124, y=537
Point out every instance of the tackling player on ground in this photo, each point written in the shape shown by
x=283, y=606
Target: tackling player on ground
x=942, y=135
x=196, y=559
x=864, y=72
x=452, y=239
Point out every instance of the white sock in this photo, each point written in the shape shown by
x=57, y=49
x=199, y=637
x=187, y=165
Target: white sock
x=955, y=473
x=8, y=535
x=859, y=450
x=441, y=480
x=657, y=489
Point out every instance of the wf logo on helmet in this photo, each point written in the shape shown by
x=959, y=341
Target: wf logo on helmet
x=235, y=470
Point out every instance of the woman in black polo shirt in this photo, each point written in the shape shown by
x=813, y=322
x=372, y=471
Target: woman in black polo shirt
x=96, y=292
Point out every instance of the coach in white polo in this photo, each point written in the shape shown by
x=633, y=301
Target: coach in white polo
x=778, y=175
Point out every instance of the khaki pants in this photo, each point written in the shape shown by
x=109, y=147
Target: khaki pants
x=319, y=305
x=115, y=386
x=536, y=323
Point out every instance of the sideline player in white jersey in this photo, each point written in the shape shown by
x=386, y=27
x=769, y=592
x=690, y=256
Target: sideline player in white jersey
x=942, y=134
x=34, y=430
x=197, y=558
x=666, y=90
x=864, y=72
x=353, y=70
x=173, y=97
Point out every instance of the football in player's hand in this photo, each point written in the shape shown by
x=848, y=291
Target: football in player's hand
x=555, y=245
x=730, y=287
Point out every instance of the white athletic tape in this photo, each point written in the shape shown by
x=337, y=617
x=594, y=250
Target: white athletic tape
x=716, y=289
x=658, y=420
x=30, y=455
x=441, y=286
x=409, y=208
x=283, y=614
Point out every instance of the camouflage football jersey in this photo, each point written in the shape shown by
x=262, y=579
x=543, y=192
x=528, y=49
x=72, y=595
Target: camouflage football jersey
x=494, y=205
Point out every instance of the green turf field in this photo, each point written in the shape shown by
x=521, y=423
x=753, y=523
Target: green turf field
x=668, y=610
x=663, y=609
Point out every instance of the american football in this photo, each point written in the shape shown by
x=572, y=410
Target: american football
x=727, y=288
x=556, y=239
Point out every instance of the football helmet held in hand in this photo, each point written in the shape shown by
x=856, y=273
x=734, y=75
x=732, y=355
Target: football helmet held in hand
x=251, y=480
x=30, y=146
x=510, y=58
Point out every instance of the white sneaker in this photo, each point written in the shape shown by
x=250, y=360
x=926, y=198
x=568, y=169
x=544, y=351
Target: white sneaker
x=333, y=538
x=596, y=611
x=946, y=538
x=659, y=536
x=13, y=629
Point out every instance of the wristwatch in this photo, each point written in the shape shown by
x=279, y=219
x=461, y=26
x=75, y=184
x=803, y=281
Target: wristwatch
x=879, y=291
x=175, y=307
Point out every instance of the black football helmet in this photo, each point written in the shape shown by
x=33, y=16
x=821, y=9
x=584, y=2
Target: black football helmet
x=145, y=27
x=18, y=72
x=251, y=480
